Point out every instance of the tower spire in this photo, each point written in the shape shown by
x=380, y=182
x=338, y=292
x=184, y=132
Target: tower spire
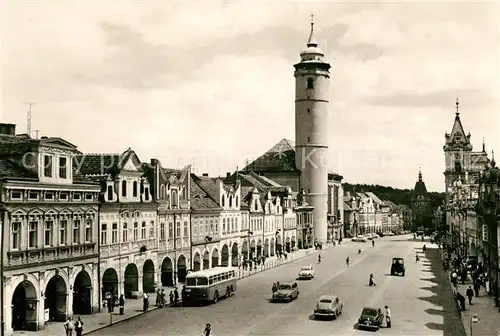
x=419, y=173
x=311, y=42
x=484, y=146
x=457, y=104
x=493, y=163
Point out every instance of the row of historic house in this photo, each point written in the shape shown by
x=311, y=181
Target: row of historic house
x=75, y=227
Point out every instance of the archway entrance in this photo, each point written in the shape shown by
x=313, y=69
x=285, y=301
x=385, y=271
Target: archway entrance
x=244, y=250
x=167, y=273
x=266, y=247
x=24, y=307
x=148, y=276
x=225, y=255
x=197, y=262
x=82, y=294
x=272, y=247
x=215, y=258
x=131, y=283
x=55, y=298
x=109, y=282
x=181, y=268
x=206, y=260
x=234, y=255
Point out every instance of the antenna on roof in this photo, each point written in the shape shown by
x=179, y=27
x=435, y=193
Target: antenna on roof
x=36, y=134
x=28, y=121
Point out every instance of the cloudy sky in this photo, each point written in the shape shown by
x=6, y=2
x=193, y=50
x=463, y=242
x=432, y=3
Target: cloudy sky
x=211, y=83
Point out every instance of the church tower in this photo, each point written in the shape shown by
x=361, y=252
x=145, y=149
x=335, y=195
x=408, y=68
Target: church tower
x=312, y=84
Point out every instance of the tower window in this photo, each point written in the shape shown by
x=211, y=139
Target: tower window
x=308, y=139
x=308, y=110
x=310, y=83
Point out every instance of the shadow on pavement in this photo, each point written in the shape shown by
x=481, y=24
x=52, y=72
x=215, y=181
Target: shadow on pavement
x=442, y=298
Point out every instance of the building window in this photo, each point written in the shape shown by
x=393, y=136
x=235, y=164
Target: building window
x=47, y=165
x=114, y=233
x=89, y=197
x=178, y=230
x=146, y=194
x=63, y=168
x=236, y=201
x=88, y=231
x=49, y=196
x=16, y=236
x=223, y=225
x=256, y=206
x=310, y=83
x=143, y=230
x=104, y=234
x=76, y=197
x=223, y=200
x=110, y=193
x=186, y=232
x=162, y=231
x=63, y=225
x=458, y=166
x=76, y=231
x=136, y=231
x=33, y=195
x=32, y=235
x=16, y=195
x=125, y=233
x=308, y=110
x=174, y=197
x=232, y=224
x=170, y=230
x=48, y=233
x=63, y=196
x=308, y=139
x=134, y=189
x=124, y=188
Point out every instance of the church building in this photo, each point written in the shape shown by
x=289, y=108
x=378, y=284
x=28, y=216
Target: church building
x=420, y=204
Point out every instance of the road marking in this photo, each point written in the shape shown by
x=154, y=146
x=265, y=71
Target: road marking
x=278, y=312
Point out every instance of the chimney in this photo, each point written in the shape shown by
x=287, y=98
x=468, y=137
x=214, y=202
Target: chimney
x=154, y=162
x=228, y=174
x=8, y=129
x=205, y=174
x=44, y=137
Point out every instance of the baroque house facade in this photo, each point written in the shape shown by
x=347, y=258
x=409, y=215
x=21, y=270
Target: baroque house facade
x=49, y=232
x=128, y=222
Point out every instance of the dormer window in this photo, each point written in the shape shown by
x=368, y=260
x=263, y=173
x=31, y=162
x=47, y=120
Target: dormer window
x=124, y=188
x=223, y=200
x=162, y=191
x=63, y=168
x=236, y=200
x=47, y=165
x=173, y=197
x=310, y=83
x=134, y=189
x=230, y=201
x=256, y=206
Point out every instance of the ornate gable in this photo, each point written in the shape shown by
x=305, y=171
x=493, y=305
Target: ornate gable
x=457, y=139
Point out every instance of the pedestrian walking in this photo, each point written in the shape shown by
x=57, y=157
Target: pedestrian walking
x=461, y=300
x=145, y=302
x=69, y=326
x=477, y=287
x=454, y=278
x=171, y=296
x=158, y=298
x=388, y=316
x=122, y=304
x=163, y=298
x=417, y=259
x=470, y=293
x=176, y=297
x=371, y=282
x=347, y=261
x=208, y=330
x=79, y=326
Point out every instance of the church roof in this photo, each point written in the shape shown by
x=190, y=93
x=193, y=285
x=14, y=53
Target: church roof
x=279, y=158
x=457, y=138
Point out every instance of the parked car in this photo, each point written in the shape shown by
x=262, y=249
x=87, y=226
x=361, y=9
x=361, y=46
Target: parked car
x=306, y=272
x=328, y=306
x=370, y=318
x=361, y=239
x=398, y=266
x=389, y=234
x=381, y=234
x=286, y=291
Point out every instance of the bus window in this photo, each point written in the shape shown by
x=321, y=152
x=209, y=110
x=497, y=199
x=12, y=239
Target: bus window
x=201, y=281
x=190, y=281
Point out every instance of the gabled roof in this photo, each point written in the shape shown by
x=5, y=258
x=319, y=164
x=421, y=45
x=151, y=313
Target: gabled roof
x=374, y=198
x=279, y=158
x=105, y=163
x=457, y=138
x=200, y=199
x=347, y=207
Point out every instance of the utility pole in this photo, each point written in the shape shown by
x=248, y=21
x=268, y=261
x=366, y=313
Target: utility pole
x=28, y=123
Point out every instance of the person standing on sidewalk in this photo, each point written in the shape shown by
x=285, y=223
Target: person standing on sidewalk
x=122, y=304
x=79, y=326
x=454, y=278
x=388, y=316
x=171, y=297
x=69, y=325
x=145, y=302
x=208, y=330
x=176, y=297
x=470, y=293
x=477, y=286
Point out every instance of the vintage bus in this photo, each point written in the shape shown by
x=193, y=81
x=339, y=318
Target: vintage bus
x=210, y=285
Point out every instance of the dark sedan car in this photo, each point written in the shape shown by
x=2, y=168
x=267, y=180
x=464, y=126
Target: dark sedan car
x=398, y=266
x=370, y=318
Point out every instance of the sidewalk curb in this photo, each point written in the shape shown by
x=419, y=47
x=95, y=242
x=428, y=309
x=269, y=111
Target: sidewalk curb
x=168, y=305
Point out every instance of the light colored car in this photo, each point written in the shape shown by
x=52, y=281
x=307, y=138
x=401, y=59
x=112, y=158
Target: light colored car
x=287, y=291
x=328, y=306
x=306, y=272
x=361, y=239
x=389, y=234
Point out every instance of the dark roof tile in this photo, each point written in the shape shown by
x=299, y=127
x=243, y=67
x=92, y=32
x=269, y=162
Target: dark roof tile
x=280, y=158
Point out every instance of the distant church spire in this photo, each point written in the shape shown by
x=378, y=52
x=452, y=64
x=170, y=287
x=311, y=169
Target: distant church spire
x=457, y=104
x=419, y=173
x=311, y=42
x=493, y=163
x=484, y=147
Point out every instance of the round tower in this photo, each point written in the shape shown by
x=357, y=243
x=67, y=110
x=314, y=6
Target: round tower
x=312, y=84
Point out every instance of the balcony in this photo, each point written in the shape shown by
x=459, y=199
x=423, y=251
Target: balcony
x=18, y=259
